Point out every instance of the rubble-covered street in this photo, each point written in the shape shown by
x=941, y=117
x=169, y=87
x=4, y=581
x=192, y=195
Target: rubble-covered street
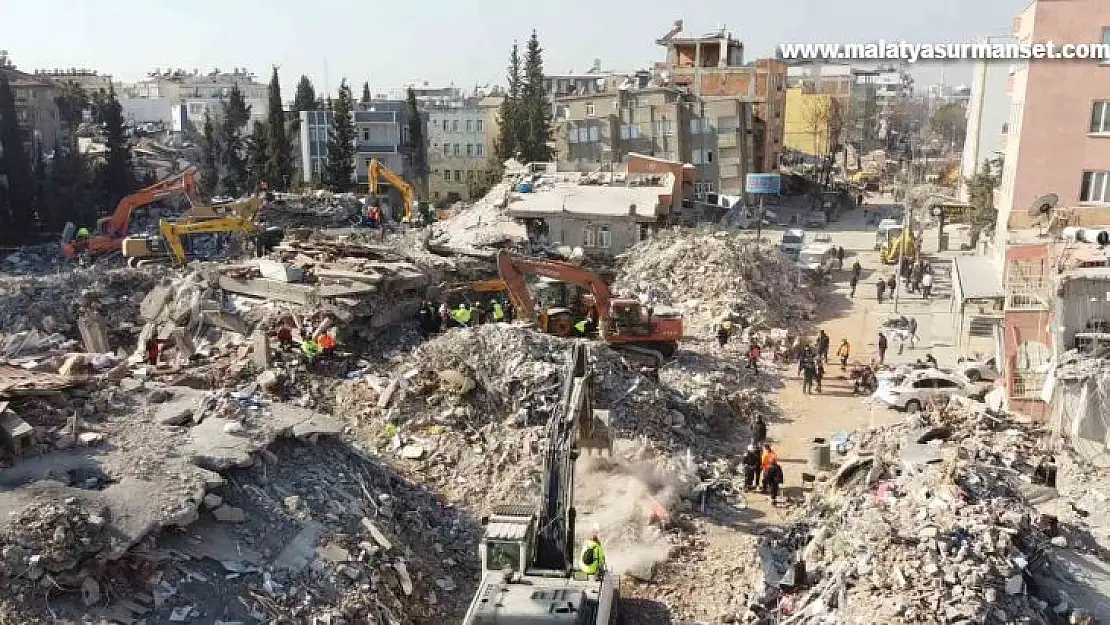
x=228, y=481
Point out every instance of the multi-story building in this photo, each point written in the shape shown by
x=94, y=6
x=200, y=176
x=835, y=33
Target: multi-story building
x=425, y=93
x=88, y=79
x=988, y=110
x=34, y=103
x=381, y=132
x=593, y=81
x=855, y=92
x=813, y=122
x=184, y=99
x=460, y=145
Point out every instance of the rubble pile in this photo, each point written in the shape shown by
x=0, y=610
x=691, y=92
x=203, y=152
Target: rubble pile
x=709, y=275
x=482, y=226
x=49, y=539
x=320, y=209
x=930, y=519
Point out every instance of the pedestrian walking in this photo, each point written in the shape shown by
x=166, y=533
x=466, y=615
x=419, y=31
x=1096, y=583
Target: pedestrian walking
x=724, y=330
x=840, y=257
x=915, y=277
x=852, y=282
x=880, y=289
x=857, y=270
x=749, y=464
x=772, y=481
x=819, y=373
x=882, y=348
x=759, y=430
x=926, y=285
x=911, y=326
x=766, y=459
x=844, y=352
x=891, y=284
x=753, y=356
x=809, y=375
x=822, y=346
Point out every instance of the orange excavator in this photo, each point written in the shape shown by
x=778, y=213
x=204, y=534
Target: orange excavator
x=108, y=236
x=645, y=336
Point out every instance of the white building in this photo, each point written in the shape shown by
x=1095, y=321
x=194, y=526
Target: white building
x=158, y=98
x=987, y=114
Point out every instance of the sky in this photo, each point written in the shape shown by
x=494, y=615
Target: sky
x=446, y=42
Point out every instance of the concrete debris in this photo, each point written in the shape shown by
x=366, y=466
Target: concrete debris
x=710, y=275
x=895, y=542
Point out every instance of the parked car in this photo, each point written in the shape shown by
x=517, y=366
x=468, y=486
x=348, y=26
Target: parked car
x=815, y=219
x=976, y=370
x=914, y=390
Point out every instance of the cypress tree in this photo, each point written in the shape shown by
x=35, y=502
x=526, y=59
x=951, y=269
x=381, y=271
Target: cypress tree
x=258, y=156
x=508, y=142
x=341, y=142
x=209, y=168
x=236, y=114
x=535, y=111
x=416, y=149
x=366, y=92
x=15, y=164
x=118, y=174
x=278, y=148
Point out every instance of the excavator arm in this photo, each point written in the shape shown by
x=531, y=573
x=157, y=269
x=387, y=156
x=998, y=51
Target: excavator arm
x=513, y=268
x=408, y=193
x=172, y=233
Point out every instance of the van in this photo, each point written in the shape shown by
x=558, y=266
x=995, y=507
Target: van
x=817, y=258
x=887, y=230
x=793, y=241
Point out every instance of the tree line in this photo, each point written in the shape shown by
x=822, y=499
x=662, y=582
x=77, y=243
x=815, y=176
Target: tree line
x=525, y=113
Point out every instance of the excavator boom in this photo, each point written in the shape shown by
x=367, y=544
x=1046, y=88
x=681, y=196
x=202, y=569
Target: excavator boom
x=172, y=233
x=408, y=193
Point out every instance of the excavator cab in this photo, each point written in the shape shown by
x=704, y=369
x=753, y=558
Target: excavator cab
x=629, y=318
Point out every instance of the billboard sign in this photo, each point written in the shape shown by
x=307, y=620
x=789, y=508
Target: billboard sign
x=763, y=184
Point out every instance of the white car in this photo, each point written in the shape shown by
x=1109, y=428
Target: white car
x=978, y=370
x=917, y=388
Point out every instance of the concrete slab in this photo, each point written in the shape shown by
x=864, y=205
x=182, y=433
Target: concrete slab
x=301, y=550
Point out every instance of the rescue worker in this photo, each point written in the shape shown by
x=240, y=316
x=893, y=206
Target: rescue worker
x=498, y=311
x=81, y=240
x=844, y=352
x=766, y=458
x=753, y=356
x=326, y=343
x=593, y=557
x=724, y=330
x=580, y=327
x=461, y=315
x=444, y=315
x=285, y=337
x=749, y=464
x=311, y=350
x=154, y=350
x=477, y=314
x=425, y=317
x=772, y=480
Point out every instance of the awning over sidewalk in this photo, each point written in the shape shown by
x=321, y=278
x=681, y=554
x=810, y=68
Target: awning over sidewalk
x=977, y=278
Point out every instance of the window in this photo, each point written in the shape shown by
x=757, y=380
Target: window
x=700, y=127
x=590, y=109
x=630, y=131
x=478, y=149
x=589, y=237
x=470, y=149
x=447, y=149
x=456, y=149
x=455, y=126
x=458, y=175
x=1100, y=117
x=663, y=127
x=1105, y=41
x=583, y=135
x=470, y=175
x=365, y=134
x=604, y=237
x=572, y=135
x=709, y=157
x=478, y=125
x=1096, y=189
x=595, y=133
x=446, y=126
x=469, y=125
x=696, y=157
x=447, y=175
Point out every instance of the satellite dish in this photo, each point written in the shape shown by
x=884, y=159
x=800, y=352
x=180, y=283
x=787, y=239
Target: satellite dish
x=1043, y=205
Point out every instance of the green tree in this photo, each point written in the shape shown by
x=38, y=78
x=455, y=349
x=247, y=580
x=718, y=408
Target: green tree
x=949, y=122
x=535, y=109
x=69, y=194
x=71, y=103
x=15, y=165
x=507, y=144
x=209, y=168
x=258, y=156
x=416, y=150
x=982, y=213
x=118, y=175
x=235, y=115
x=366, y=92
x=341, y=142
x=305, y=98
x=278, y=148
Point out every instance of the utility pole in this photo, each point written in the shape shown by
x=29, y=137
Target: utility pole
x=905, y=224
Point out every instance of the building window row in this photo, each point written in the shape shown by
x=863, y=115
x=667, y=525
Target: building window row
x=1100, y=117
x=700, y=127
x=630, y=131
x=455, y=149
x=702, y=157
x=471, y=125
x=456, y=175
x=584, y=134
x=1096, y=187
x=702, y=187
x=597, y=236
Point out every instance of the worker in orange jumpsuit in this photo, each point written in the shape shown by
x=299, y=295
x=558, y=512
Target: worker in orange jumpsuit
x=768, y=458
x=327, y=345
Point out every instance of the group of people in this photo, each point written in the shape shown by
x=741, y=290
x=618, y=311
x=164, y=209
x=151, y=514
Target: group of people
x=432, y=318
x=725, y=329
x=762, y=470
x=312, y=348
x=918, y=276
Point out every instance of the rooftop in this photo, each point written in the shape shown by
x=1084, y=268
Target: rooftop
x=633, y=195
x=978, y=278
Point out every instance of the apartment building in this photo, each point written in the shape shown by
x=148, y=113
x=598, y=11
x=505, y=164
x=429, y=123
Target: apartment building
x=34, y=103
x=182, y=98
x=460, y=146
x=855, y=92
x=599, y=131
x=381, y=132
x=812, y=122
x=988, y=110
x=712, y=68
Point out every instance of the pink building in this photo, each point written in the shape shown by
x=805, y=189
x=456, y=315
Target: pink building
x=1058, y=137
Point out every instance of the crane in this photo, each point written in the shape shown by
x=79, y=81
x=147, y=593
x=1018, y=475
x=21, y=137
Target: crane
x=110, y=231
x=643, y=334
x=528, y=568
x=408, y=193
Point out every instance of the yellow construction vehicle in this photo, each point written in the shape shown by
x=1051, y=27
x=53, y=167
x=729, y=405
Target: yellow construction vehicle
x=408, y=193
x=904, y=243
x=234, y=218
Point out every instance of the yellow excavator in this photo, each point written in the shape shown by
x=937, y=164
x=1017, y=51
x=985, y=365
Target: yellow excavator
x=905, y=242
x=408, y=193
x=234, y=218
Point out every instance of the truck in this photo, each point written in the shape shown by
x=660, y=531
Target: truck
x=529, y=576
x=793, y=240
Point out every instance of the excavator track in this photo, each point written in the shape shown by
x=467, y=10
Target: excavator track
x=651, y=355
